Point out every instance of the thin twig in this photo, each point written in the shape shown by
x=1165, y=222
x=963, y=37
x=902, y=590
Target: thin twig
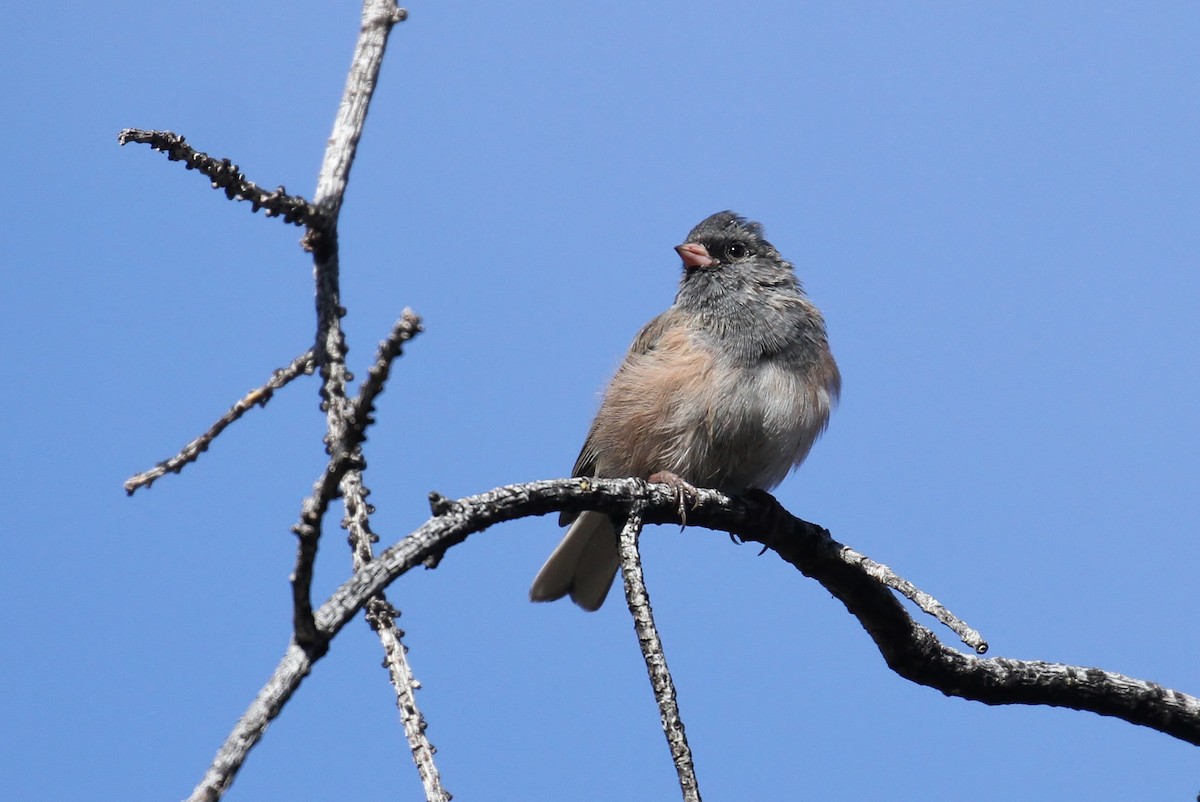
x=301, y=365
x=885, y=576
x=347, y=419
x=407, y=327
x=378, y=17
x=345, y=460
x=652, y=652
x=226, y=175
x=308, y=535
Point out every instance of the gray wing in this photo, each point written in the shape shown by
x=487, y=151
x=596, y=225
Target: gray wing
x=644, y=342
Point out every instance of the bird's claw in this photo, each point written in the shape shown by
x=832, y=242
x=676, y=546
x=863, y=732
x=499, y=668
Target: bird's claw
x=683, y=491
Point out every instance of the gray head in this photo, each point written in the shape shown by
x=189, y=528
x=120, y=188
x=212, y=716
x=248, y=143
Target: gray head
x=727, y=254
x=740, y=288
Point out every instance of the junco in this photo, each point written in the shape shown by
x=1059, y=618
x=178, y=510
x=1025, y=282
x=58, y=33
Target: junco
x=726, y=389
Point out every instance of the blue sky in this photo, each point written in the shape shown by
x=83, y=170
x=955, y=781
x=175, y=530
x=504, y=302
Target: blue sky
x=996, y=206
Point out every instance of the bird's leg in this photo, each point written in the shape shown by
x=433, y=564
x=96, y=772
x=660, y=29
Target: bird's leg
x=683, y=490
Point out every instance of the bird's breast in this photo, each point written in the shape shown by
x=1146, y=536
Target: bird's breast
x=683, y=408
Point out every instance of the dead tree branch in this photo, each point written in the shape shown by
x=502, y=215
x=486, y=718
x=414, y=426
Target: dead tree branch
x=347, y=419
x=910, y=649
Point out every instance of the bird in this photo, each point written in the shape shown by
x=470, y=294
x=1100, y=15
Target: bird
x=728, y=389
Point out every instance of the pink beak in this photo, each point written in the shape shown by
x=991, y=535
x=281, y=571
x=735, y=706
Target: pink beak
x=694, y=255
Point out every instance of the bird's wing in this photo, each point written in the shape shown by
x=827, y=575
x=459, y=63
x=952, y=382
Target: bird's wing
x=585, y=464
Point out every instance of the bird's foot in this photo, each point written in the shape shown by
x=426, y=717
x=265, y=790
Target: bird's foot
x=683, y=491
x=777, y=517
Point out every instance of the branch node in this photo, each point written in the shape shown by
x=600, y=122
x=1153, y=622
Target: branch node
x=439, y=505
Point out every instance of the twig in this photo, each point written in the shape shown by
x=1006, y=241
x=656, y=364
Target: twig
x=407, y=327
x=226, y=175
x=345, y=460
x=292, y=669
x=652, y=652
x=378, y=17
x=301, y=365
x=885, y=576
x=308, y=535
x=347, y=419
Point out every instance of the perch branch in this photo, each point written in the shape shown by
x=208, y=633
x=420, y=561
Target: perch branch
x=910, y=649
x=301, y=365
x=652, y=652
x=226, y=175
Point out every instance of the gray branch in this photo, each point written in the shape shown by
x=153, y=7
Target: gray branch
x=347, y=418
x=650, y=643
x=910, y=649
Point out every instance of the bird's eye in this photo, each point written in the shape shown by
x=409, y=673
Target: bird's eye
x=736, y=250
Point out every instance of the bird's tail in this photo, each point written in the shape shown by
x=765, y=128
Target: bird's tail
x=583, y=565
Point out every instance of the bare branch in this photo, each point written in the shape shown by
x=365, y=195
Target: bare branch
x=652, y=652
x=346, y=419
x=301, y=365
x=308, y=535
x=292, y=669
x=378, y=17
x=226, y=175
x=909, y=648
x=347, y=432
